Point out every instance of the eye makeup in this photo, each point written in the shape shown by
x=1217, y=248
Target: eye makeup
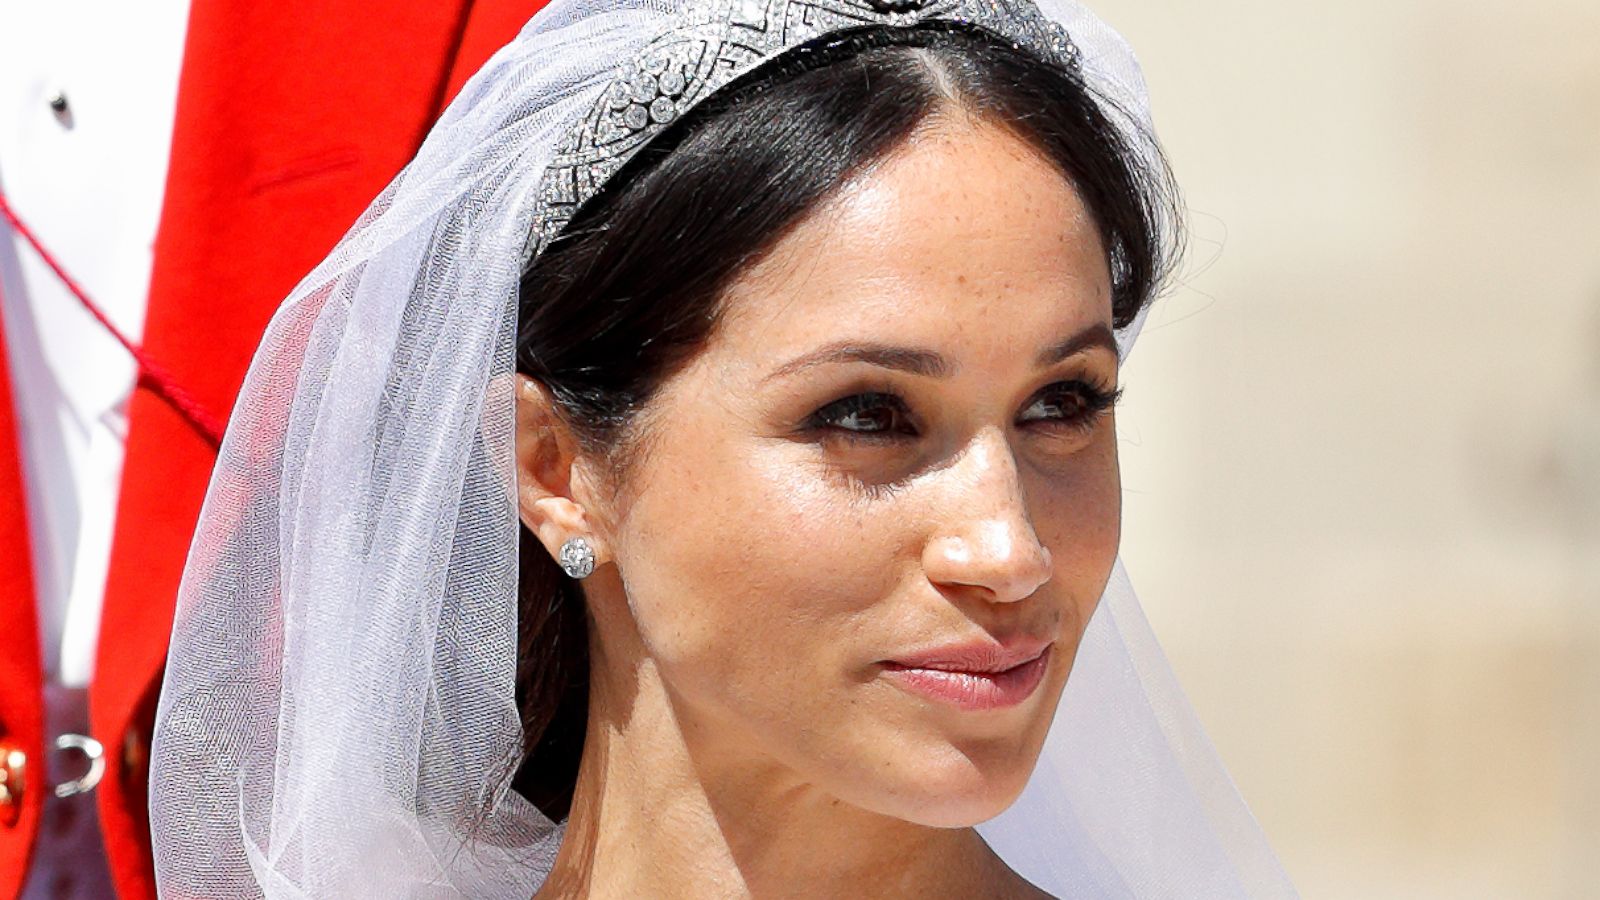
x=879, y=416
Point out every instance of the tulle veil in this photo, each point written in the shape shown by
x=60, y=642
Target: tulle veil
x=339, y=699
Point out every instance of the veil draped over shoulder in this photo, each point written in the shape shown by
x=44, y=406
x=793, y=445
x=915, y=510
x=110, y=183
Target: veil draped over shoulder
x=339, y=706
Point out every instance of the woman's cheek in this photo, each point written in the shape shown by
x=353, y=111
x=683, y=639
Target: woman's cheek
x=719, y=558
x=788, y=571
x=1079, y=519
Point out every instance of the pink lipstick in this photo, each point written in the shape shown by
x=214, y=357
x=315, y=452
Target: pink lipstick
x=973, y=676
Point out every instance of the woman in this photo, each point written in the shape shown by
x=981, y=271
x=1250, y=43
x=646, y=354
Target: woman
x=695, y=476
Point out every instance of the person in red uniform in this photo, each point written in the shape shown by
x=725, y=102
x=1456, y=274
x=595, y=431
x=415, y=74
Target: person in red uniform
x=290, y=119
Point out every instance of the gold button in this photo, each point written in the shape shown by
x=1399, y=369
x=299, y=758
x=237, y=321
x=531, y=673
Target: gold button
x=13, y=778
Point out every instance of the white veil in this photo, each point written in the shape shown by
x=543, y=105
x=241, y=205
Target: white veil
x=339, y=716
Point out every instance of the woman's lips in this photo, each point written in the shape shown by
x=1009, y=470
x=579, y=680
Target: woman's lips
x=992, y=679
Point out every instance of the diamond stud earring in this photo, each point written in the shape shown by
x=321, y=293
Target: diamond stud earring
x=577, y=558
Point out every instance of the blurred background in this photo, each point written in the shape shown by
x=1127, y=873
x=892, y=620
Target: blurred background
x=1361, y=440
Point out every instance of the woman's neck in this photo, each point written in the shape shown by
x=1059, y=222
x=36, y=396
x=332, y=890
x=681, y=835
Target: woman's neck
x=665, y=807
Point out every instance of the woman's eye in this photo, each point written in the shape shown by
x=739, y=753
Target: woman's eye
x=1075, y=403
x=880, y=416
x=867, y=415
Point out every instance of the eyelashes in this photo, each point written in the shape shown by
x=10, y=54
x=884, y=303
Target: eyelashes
x=873, y=428
x=880, y=417
x=873, y=414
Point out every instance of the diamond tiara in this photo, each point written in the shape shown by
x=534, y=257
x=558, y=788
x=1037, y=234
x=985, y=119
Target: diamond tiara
x=721, y=40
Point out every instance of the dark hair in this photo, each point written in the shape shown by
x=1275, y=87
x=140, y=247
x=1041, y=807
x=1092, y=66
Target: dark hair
x=631, y=288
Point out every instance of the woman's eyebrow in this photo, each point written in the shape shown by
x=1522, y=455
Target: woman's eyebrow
x=927, y=363
x=1096, y=335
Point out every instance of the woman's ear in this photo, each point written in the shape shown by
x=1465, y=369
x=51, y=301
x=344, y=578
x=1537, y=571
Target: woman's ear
x=549, y=479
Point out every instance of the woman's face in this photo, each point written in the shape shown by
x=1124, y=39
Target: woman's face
x=897, y=444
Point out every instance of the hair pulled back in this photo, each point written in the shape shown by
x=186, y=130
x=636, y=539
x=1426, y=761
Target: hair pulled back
x=630, y=290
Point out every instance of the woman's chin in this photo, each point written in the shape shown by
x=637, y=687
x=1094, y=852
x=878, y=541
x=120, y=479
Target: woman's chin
x=957, y=793
x=948, y=811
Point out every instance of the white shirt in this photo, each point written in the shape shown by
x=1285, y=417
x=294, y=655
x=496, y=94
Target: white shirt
x=89, y=182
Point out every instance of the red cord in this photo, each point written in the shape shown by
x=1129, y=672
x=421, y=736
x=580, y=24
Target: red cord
x=151, y=374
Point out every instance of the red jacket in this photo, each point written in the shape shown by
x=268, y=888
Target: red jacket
x=290, y=119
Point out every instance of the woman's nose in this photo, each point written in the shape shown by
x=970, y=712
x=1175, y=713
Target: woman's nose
x=986, y=538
